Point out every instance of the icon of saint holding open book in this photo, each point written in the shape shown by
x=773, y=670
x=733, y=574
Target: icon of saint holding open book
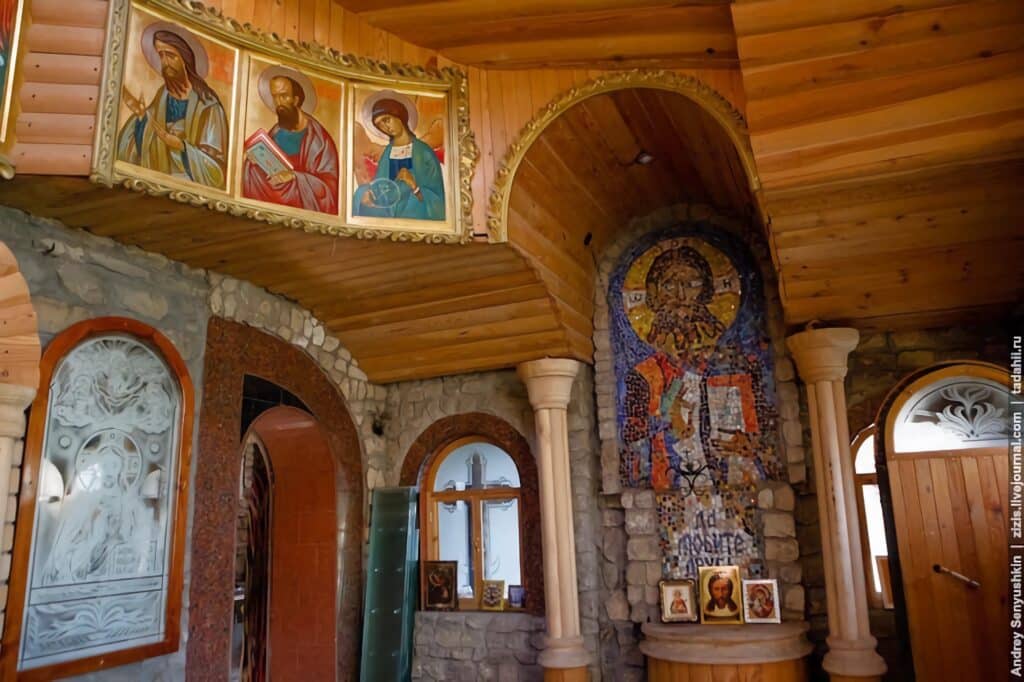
x=296, y=163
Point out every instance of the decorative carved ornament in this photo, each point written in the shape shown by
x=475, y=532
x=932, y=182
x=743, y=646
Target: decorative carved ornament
x=98, y=560
x=706, y=97
x=349, y=72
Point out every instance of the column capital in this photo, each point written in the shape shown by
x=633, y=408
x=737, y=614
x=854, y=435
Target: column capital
x=821, y=354
x=549, y=381
x=14, y=400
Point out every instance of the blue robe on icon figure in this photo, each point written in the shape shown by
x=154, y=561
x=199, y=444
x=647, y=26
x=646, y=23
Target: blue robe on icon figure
x=407, y=161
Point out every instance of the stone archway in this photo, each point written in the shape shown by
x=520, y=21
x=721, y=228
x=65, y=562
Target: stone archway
x=232, y=351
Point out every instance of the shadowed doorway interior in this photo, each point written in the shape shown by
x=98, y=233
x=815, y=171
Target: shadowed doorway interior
x=286, y=552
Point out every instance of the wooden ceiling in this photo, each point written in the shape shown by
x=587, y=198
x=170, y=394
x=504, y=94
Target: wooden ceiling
x=518, y=34
x=404, y=310
x=889, y=143
x=579, y=183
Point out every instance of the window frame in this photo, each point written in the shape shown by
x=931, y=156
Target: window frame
x=876, y=599
x=429, y=535
x=61, y=345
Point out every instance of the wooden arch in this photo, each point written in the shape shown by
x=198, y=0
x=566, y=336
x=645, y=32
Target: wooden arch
x=15, y=627
x=967, y=500
x=706, y=97
x=19, y=337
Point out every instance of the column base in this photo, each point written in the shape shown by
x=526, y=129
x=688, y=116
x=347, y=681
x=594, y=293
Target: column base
x=563, y=653
x=853, y=659
x=580, y=674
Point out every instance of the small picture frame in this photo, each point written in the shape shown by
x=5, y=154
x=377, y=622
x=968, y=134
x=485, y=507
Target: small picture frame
x=761, y=601
x=678, y=601
x=440, y=591
x=492, y=597
x=720, y=595
x=516, y=597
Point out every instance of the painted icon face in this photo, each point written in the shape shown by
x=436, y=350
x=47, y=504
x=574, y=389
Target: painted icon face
x=283, y=95
x=172, y=66
x=721, y=588
x=388, y=124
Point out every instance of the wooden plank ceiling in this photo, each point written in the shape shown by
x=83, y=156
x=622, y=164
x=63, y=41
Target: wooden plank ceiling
x=404, y=310
x=889, y=141
x=579, y=183
x=519, y=34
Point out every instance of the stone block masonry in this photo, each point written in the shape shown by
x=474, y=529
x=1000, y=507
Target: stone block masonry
x=249, y=304
x=75, y=276
x=477, y=647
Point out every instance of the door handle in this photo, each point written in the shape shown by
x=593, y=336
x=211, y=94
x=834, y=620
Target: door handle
x=973, y=584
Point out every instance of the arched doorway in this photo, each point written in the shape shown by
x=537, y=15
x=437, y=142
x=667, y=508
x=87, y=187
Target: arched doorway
x=235, y=354
x=286, y=549
x=946, y=464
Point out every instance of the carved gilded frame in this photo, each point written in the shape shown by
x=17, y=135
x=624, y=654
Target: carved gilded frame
x=351, y=69
x=706, y=97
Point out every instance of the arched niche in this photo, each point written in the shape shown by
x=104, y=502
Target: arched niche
x=603, y=154
x=104, y=504
x=729, y=123
x=436, y=441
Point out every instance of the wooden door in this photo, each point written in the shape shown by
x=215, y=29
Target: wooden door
x=950, y=510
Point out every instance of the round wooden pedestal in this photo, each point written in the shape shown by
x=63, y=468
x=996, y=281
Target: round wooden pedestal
x=683, y=652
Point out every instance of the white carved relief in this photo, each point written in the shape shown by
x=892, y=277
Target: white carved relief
x=956, y=413
x=98, y=572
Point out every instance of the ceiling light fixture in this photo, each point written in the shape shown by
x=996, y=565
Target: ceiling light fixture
x=643, y=158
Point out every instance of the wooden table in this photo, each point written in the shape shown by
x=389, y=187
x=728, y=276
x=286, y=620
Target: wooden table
x=681, y=652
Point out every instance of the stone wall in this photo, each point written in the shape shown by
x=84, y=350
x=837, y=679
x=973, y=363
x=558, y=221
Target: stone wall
x=413, y=406
x=631, y=556
x=477, y=646
x=74, y=276
x=878, y=363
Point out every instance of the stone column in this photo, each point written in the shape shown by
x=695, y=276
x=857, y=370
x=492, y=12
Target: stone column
x=820, y=356
x=549, y=383
x=13, y=402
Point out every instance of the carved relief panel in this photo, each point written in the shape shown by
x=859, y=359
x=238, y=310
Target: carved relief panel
x=107, y=437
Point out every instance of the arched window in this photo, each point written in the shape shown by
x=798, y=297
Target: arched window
x=872, y=523
x=98, y=558
x=957, y=412
x=471, y=503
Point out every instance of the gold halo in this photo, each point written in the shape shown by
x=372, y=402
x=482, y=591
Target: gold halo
x=724, y=305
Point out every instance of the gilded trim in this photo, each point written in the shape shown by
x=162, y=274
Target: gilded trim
x=449, y=81
x=709, y=99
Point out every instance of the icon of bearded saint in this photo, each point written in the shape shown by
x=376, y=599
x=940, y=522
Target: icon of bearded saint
x=312, y=182
x=663, y=391
x=183, y=132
